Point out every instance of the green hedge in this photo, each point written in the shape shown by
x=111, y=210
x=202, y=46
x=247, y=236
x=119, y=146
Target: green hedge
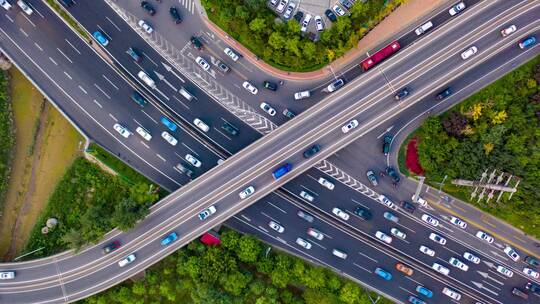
x=496, y=128
x=7, y=139
x=281, y=44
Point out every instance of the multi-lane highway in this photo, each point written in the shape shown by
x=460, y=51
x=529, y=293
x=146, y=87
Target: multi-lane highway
x=66, y=280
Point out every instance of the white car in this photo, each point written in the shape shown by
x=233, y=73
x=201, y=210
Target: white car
x=315, y=234
x=122, y=130
x=273, y=2
x=469, y=52
x=289, y=10
x=531, y=273
x=147, y=80
x=383, y=237
x=319, y=23
x=451, y=293
x=281, y=6
x=422, y=202
x=5, y=4
x=201, y=125
x=423, y=28
x=458, y=264
x=145, y=134
x=440, y=268
x=340, y=213
x=192, y=160
x=458, y=222
x=169, y=138
x=484, y=236
x=509, y=30
x=430, y=220
x=437, y=238
x=246, y=192
x=7, y=275
x=340, y=254
x=231, y=54
x=383, y=199
x=207, y=212
x=507, y=272
x=145, y=26
x=251, y=88
x=323, y=181
x=305, y=23
x=427, y=251
x=127, y=260
x=277, y=227
x=202, y=63
x=471, y=257
x=268, y=109
x=301, y=95
x=338, y=10
x=456, y=9
x=398, y=233
x=303, y=243
x=307, y=196
x=351, y=125
x=25, y=7
x=511, y=253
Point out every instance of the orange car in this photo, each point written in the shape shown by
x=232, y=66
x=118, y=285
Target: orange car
x=405, y=269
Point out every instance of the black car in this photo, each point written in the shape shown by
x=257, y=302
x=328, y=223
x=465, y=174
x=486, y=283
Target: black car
x=443, y=94
x=288, y=113
x=346, y=3
x=270, y=85
x=393, y=174
x=330, y=15
x=386, y=144
x=298, y=16
x=148, y=8
x=532, y=261
x=363, y=213
x=402, y=94
x=232, y=130
x=67, y=3
x=197, y=43
x=138, y=98
x=407, y=206
x=134, y=54
x=111, y=247
x=312, y=151
x=173, y=11
x=535, y=288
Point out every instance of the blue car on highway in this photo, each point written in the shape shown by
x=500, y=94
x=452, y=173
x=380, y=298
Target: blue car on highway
x=383, y=274
x=279, y=172
x=424, y=291
x=169, y=239
x=169, y=124
x=415, y=300
x=98, y=35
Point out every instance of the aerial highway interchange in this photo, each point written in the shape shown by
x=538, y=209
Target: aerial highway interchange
x=94, y=93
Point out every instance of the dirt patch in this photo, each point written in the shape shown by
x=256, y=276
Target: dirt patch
x=45, y=145
x=412, y=161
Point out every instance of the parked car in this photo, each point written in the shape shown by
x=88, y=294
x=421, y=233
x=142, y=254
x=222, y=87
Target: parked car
x=148, y=8
x=346, y=4
x=372, y=178
x=298, y=16
x=229, y=52
x=268, y=109
x=289, y=10
x=532, y=261
x=202, y=63
x=305, y=23
x=127, y=260
x=281, y=6
x=330, y=14
x=175, y=15
x=146, y=26
x=5, y=4
x=319, y=23
x=339, y=11
x=531, y=273
x=390, y=171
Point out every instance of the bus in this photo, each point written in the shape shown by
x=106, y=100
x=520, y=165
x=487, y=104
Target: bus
x=380, y=55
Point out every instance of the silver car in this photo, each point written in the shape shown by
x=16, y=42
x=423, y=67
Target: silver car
x=289, y=10
x=246, y=192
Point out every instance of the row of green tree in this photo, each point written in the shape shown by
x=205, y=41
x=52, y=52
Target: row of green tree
x=238, y=271
x=88, y=203
x=281, y=44
x=496, y=128
x=7, y=139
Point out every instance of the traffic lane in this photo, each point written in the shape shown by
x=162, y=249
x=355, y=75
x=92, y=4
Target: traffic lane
x=363, y=257
x=203, y=107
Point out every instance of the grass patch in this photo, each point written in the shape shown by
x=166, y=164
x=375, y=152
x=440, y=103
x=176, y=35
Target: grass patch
x=6, y=135
x=74, y=24
x=496, y=128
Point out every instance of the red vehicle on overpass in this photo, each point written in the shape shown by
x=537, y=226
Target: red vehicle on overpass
x=380, y=55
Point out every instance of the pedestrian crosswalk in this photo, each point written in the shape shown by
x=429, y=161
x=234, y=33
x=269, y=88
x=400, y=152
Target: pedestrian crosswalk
x=188, y=4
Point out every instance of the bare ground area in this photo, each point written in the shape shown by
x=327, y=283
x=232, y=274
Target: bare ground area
x=45, y=145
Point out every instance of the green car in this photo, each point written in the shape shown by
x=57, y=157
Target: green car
x=386, y=144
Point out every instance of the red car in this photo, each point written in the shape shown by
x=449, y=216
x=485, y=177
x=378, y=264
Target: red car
x=111, y=247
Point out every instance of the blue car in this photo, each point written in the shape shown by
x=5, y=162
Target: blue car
x=169, y=239
x=383, y=274
x=415, y=300
x=169, y=124
x=527, y=42
x=98, y=35
x=424, y=291
x=281, y=171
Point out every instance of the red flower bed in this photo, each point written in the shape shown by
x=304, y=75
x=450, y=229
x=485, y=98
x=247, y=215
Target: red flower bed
x=411, y=161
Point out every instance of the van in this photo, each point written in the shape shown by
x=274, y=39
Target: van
x=187, y=95
x=279, y=172
x=518, y=293
x=423, y=28
x=340, y=254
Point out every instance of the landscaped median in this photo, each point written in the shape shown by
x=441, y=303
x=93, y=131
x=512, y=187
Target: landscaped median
x=282, y=45
x=496, y=128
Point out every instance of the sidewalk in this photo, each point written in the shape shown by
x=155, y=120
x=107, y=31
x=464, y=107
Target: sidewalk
x=401, y=18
